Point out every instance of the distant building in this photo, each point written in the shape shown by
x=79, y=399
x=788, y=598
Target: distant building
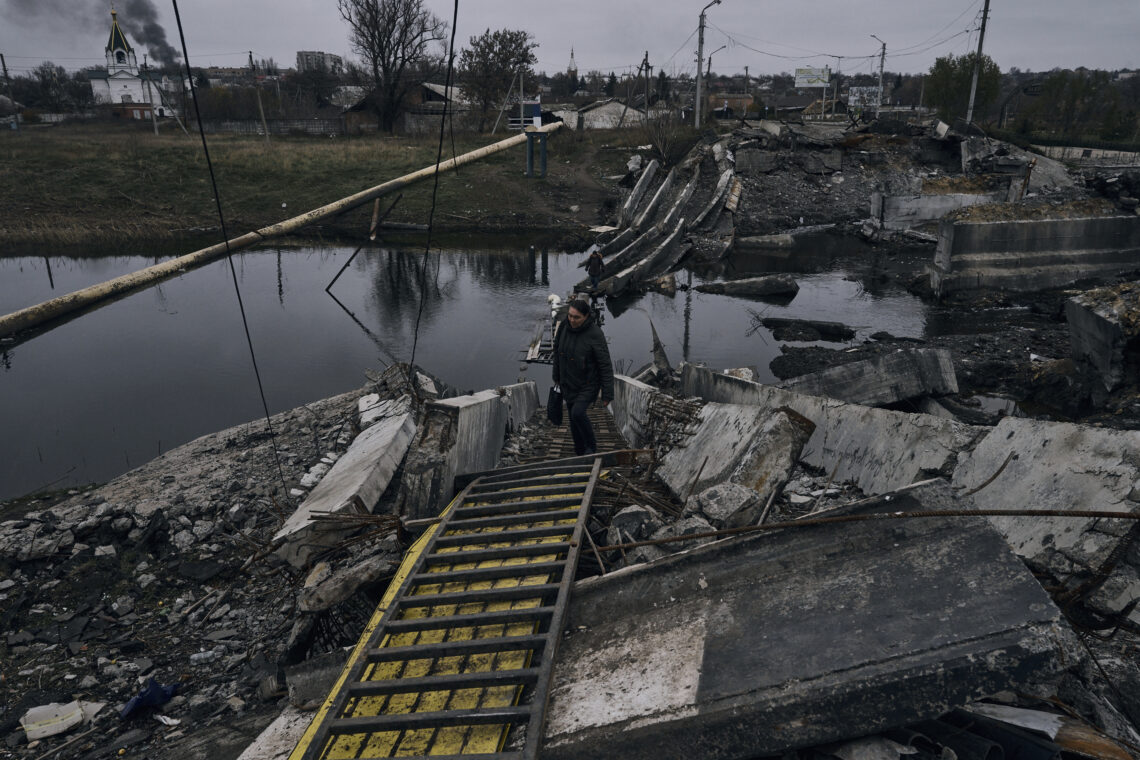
x=133, y=93
x=315, y=60
x=602, y=114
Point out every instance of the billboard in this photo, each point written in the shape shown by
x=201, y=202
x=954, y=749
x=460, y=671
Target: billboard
x=812, y=77
x=862, y=97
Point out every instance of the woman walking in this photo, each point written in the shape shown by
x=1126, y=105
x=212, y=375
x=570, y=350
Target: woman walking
x=582, y=368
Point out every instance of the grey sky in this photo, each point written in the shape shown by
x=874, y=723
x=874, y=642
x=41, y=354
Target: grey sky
x=614, y=35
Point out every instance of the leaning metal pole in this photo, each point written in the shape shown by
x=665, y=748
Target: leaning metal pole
x=34, y=316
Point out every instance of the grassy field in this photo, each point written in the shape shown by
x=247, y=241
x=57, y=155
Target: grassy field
x=110, y=184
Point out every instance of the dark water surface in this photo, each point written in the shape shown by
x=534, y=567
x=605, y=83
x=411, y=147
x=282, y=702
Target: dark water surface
x=112, y=389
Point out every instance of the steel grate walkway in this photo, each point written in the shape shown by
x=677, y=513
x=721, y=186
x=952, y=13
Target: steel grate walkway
x=462, y=647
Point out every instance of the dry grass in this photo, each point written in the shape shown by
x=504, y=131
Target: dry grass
x=115, y=182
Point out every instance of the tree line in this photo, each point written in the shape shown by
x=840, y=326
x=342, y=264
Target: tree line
x=401, y=44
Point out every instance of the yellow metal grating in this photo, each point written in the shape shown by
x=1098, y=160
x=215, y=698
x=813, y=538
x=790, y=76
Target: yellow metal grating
x=461, y=647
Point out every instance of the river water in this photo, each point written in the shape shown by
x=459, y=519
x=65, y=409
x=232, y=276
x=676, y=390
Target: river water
x=117, y=386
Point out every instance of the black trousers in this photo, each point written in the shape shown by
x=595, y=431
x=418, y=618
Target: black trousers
x=581, y=430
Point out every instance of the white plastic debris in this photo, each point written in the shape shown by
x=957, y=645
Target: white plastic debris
x=57, y=718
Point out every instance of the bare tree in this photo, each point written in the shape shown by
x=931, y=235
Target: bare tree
x=488, y=67
x=392, y=38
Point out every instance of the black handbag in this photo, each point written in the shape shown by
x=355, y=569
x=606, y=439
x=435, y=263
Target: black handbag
x=554, y=405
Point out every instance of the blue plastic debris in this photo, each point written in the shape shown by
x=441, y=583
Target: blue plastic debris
x=154, y=695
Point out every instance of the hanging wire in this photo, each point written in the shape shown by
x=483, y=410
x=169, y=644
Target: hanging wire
x=434, y=194
x=229, y=255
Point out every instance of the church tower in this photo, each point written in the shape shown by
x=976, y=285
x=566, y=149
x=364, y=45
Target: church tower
x=120, y=54
x=572, y=69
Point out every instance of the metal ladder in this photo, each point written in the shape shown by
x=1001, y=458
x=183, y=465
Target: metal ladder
x=464, y=650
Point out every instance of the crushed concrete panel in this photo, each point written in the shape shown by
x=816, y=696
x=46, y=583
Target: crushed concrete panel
x=280, y=737
x=630, y=407
x=1054, y=465
x=877, y=449
x=460, y=435
x=883, y=380
x=901, y=212
x=354, y=483
x=1103, y=325
x=755, y=646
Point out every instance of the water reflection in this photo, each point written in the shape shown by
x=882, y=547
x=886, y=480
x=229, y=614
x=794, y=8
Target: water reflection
x=116, y=386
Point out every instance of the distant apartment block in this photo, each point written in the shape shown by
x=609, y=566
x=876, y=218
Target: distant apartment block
x=315, y=60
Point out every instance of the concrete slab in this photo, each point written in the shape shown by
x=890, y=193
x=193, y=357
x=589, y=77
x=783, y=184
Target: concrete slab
x=650, y=210
x=901, y=212
x=1104, y=328
x=883, y=380
x=1033, y=254
x=751, y=647
x=767, y=285
x=355, y=483
x=1054, y=465
x=877, y=449
x=628, y=208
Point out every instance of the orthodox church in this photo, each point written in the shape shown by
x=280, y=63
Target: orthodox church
x=133, y=92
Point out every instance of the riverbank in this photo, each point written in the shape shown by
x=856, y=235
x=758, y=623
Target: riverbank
x=122, y=184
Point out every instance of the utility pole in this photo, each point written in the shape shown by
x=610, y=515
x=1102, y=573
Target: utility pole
x=977, y=64
x=697, y=105
x=882, y=60
x=149, y=97
x=838, y=68
x=257, y=90
x=646, y=64
x=11, y=92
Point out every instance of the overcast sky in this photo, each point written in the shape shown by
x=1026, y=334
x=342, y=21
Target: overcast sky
x=768, y=36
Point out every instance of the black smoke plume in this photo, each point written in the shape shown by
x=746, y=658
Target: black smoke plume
x=139, y=19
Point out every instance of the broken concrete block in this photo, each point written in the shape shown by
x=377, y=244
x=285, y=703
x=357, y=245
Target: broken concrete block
x=333, y=588
x=353, y=484
x=756, y=161
x=1104, y=328
x=738, y=646
x=1053, y=465
x=753, y=447
x=876, y=449
x=458, y=436
x=883, y=380
x=630, y=408
x=625, y=216
x=768, y=285
x=818, y=330
x=769, y=462
x=686, y=526
x=720, y=502
x=634, y=523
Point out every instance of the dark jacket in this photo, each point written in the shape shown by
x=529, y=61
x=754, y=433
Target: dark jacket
x=594, y=265
x=582, y=362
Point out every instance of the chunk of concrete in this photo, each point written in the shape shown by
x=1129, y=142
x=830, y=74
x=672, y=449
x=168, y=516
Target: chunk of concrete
x=756, y=161
x=340, y=585
x=768, y=285
x=354, y=484
x=753, y=447
x=883, y=380
x=877, y=449
x=1104, y=328
x=1053, y=465
x=757, y=646
x=458, y=436
x=833, y=331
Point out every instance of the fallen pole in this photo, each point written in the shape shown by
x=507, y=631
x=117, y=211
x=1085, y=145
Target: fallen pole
x=34, y=316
